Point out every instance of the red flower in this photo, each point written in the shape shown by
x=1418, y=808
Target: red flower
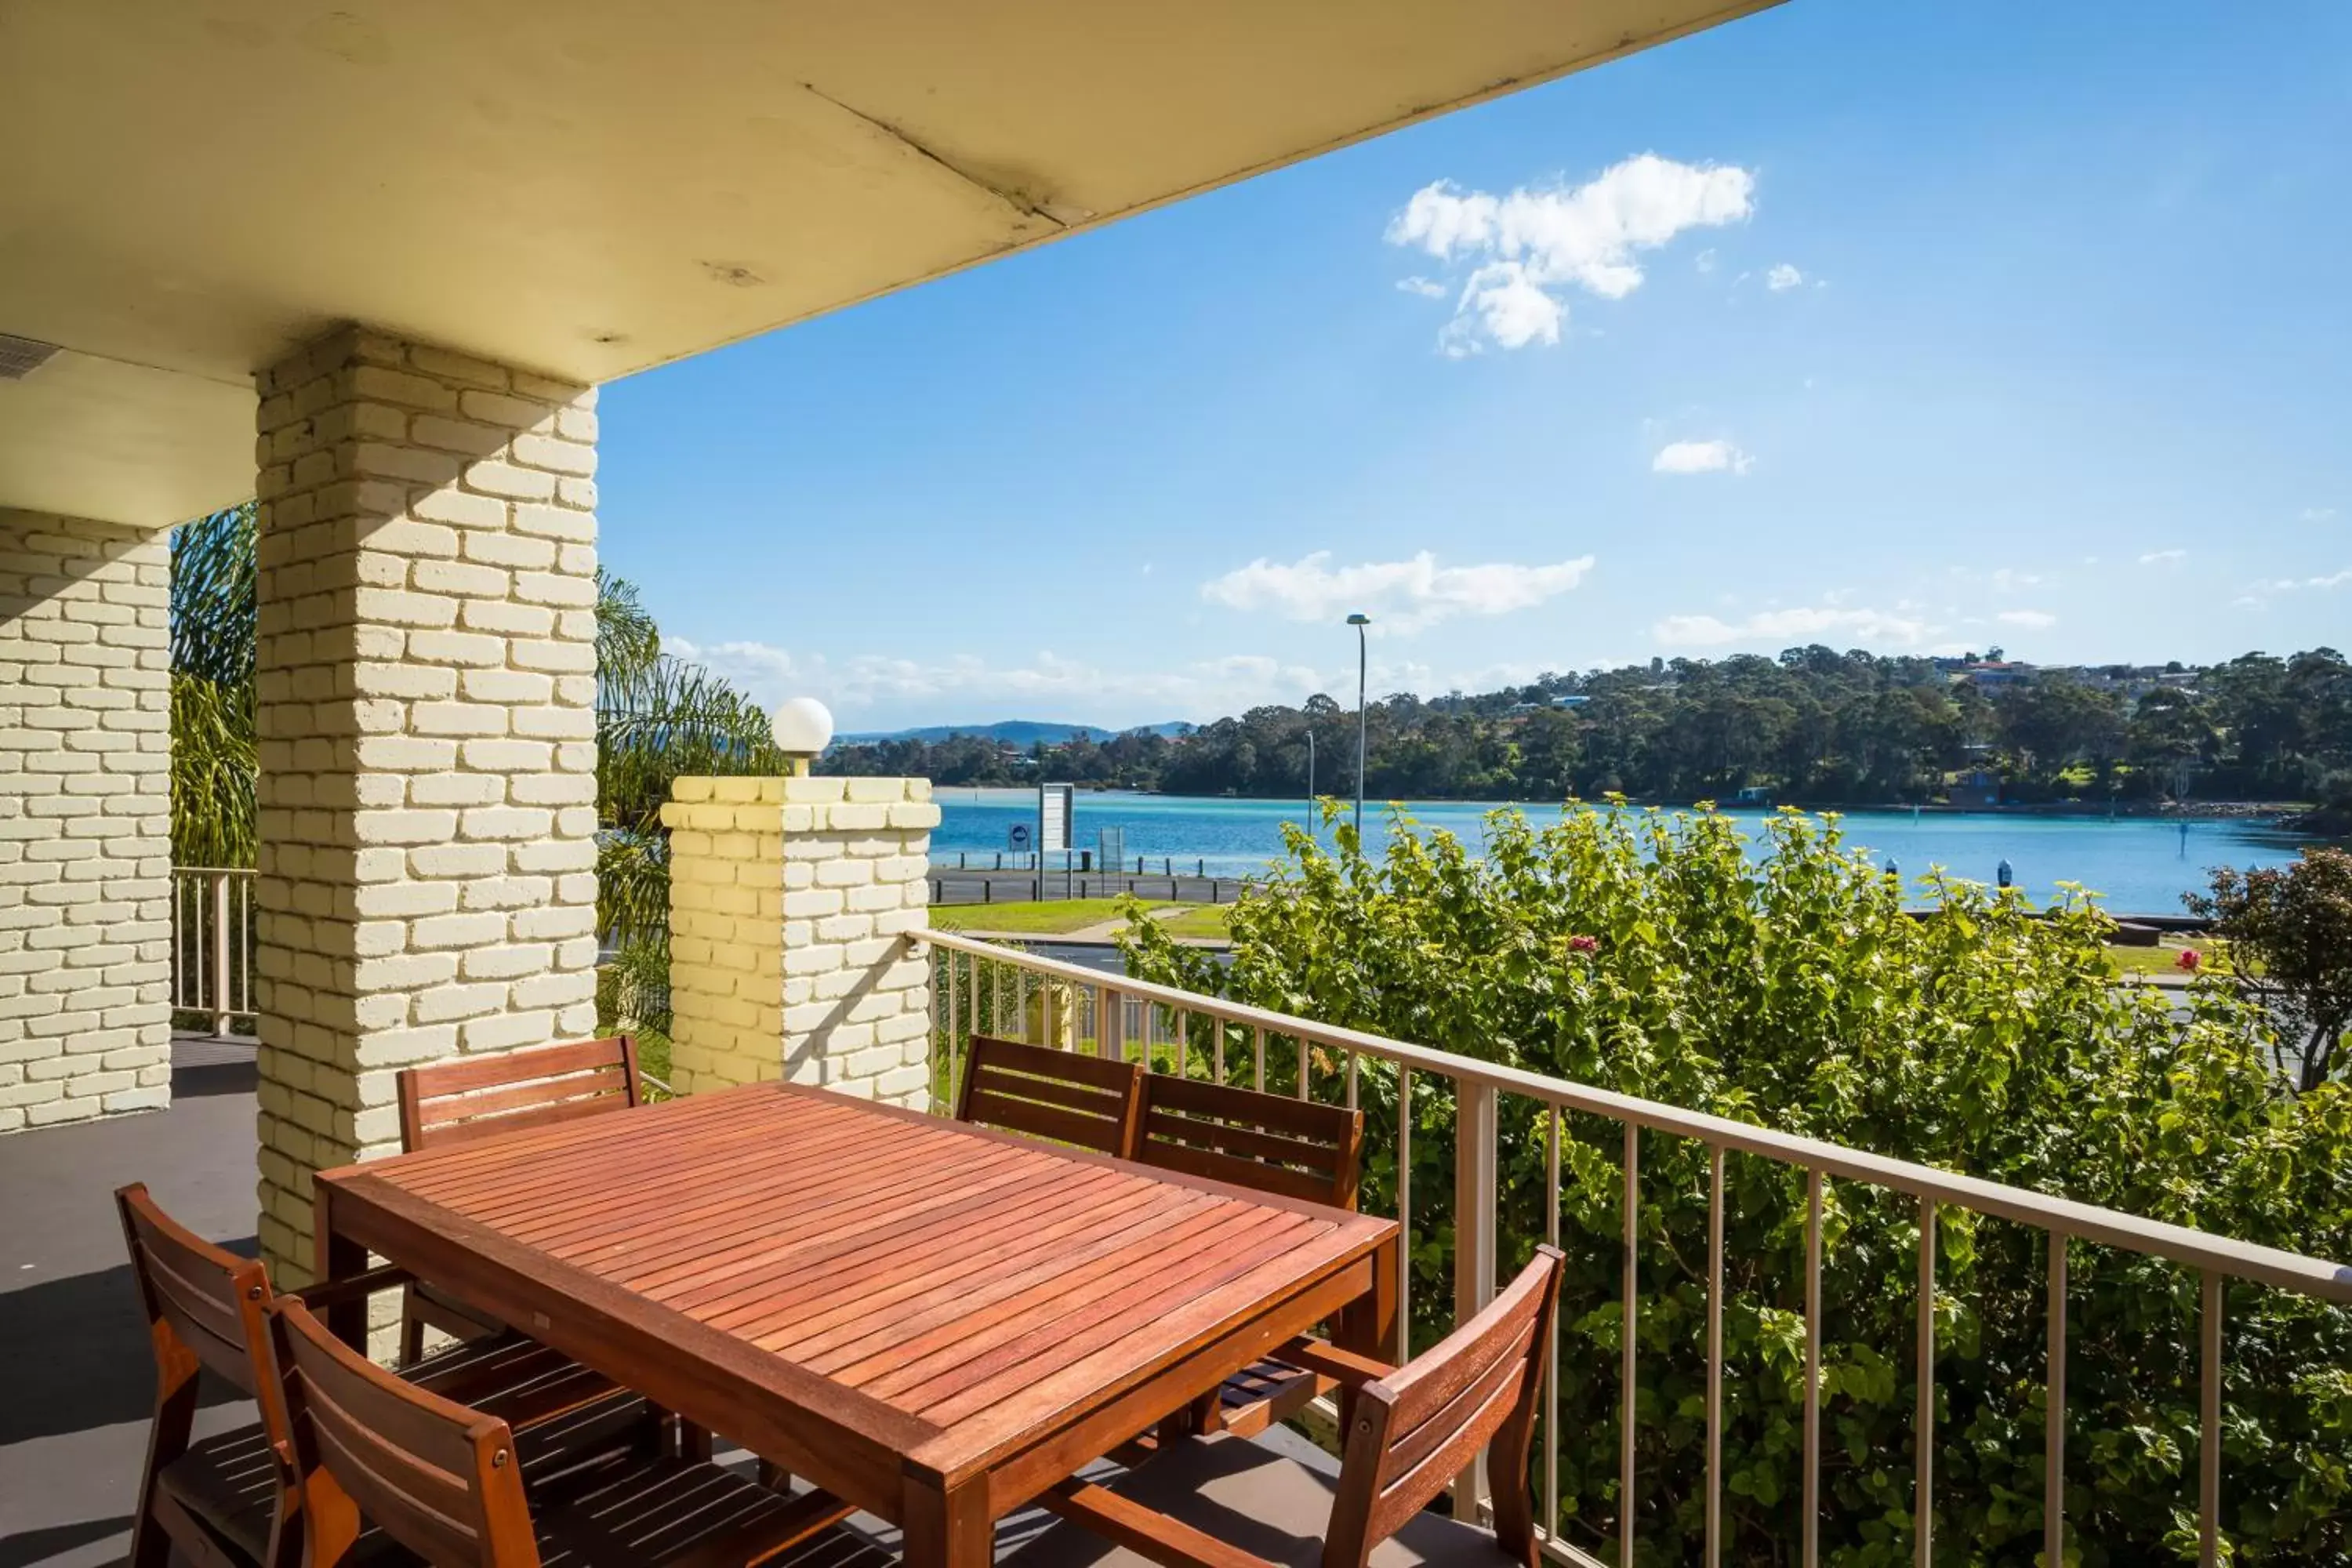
x=2189, y=960
x=1584, y=944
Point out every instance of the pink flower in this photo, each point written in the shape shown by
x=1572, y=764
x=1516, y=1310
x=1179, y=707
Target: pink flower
x=1584, y=944
x=2189, y=960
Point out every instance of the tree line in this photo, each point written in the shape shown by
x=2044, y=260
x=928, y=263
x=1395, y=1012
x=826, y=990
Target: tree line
x=1814, y=726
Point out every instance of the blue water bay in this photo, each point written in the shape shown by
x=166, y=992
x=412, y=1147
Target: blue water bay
x=2138, y=865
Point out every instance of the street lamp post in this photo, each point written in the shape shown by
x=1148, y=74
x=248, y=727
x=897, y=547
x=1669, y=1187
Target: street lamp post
x=1359, y=621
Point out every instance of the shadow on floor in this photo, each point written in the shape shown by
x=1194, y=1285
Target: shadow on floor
x=28, y=1547
x=87, y=1361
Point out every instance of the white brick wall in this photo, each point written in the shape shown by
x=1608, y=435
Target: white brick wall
x=428, y=734
x=790, y=899
x=85, y=831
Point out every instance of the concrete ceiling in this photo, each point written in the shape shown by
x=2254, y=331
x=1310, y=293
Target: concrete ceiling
x=189, y=188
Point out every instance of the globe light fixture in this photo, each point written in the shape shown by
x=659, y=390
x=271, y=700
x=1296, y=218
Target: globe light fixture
x=802, y=728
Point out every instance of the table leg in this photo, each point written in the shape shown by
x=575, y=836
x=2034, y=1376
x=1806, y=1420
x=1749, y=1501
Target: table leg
x=944, y=1526
x=335, y=1257
x=1370, y=1324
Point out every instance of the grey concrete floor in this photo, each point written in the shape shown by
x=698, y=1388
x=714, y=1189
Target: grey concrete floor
x=76, y=1379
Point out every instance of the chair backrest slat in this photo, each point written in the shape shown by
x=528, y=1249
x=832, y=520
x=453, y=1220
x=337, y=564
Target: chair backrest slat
x=210, y=1297
x=1298, y=1148
x=1091, y=1102
x=475, y=1097
x=1412, y=1432
x=431, y=1473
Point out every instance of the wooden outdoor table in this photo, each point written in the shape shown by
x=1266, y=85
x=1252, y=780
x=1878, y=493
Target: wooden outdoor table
x=932, y=1320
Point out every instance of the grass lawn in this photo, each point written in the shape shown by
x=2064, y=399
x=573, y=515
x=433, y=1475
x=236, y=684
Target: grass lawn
x=1053, y=917
x=2165, y=958
x=1197, y=920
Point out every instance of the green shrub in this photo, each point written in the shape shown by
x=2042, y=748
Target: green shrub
x=1650, y=955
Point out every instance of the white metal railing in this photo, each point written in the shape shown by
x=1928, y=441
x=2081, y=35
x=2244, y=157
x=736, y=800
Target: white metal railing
x=982, y=987
x=212, y=942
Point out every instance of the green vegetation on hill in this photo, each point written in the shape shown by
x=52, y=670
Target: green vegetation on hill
x=1813, y=726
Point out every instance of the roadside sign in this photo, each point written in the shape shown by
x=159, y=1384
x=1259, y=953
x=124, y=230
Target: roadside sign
x=1054, y=813
x=1111, y=852
x=1055, y=808
x=1017, y=838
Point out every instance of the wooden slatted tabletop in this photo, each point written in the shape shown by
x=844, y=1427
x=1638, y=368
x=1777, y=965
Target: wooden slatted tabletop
x=934, y=1321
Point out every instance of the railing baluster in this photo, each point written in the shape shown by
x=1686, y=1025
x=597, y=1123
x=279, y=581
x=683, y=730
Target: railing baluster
x=1260, y=1035
x=220, y=952
x=1351, y=1080
x=1810, y=1452
x=1404, y=1201
x=1922, y=1522
x=1183, y=1022
x=1306, y=1061
x=1475, y=1185
x=1551, y=1369
x=2209, y=1426
x=1110, y=1025
x=2054, y=1413
x=1714, y=1355
x=1628, y=1325
x=934, y=1013
x=956, y=1010
x=1219, y=1025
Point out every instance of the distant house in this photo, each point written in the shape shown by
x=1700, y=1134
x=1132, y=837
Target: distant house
x=1570, y=700
x=1975, y=790
x=1996, y=673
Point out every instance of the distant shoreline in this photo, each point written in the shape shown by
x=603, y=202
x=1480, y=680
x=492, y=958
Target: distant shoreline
x=2277, y=813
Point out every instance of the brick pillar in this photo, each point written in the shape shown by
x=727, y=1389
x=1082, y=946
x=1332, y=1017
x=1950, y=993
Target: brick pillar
x=427, y=735
x=85, y=825
x=790, y=899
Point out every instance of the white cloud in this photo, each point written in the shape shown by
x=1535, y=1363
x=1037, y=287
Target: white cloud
x=2298, y=584
x=2038, y=620
x=1706, y=261
x=1700, y=458
x=1533, y=242
x=1400, y=596
x=1783, y=277
x=2163, y=557
x=1780, y=628
x=1048, y=685
x=1425, y=288
x=1500, y=303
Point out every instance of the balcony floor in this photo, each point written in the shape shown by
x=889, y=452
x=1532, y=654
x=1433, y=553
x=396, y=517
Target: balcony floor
x=73, y=1424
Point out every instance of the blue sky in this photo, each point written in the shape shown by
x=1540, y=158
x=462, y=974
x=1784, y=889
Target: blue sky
x=1910, y=327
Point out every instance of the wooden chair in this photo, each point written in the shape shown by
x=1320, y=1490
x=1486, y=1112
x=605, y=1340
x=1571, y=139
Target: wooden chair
x=444, y=1480
x=1090, y=1102
x=1297, y=1148
x=1410, y=1433
x=452, y=1101
x=225, y=1503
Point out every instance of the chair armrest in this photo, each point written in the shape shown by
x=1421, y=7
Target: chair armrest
x=1168, y=1541
x=359, y=1287
x=1327, y=1359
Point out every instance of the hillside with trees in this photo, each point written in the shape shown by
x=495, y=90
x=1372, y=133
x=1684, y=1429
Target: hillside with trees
x=1812, y=727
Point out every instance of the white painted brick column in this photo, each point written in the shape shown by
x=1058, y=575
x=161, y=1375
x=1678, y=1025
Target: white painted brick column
x=85, y=819
x=428, y=736
x=790, y=900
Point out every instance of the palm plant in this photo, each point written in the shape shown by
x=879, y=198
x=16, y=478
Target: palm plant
x=658, y=718
x=214, y=761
